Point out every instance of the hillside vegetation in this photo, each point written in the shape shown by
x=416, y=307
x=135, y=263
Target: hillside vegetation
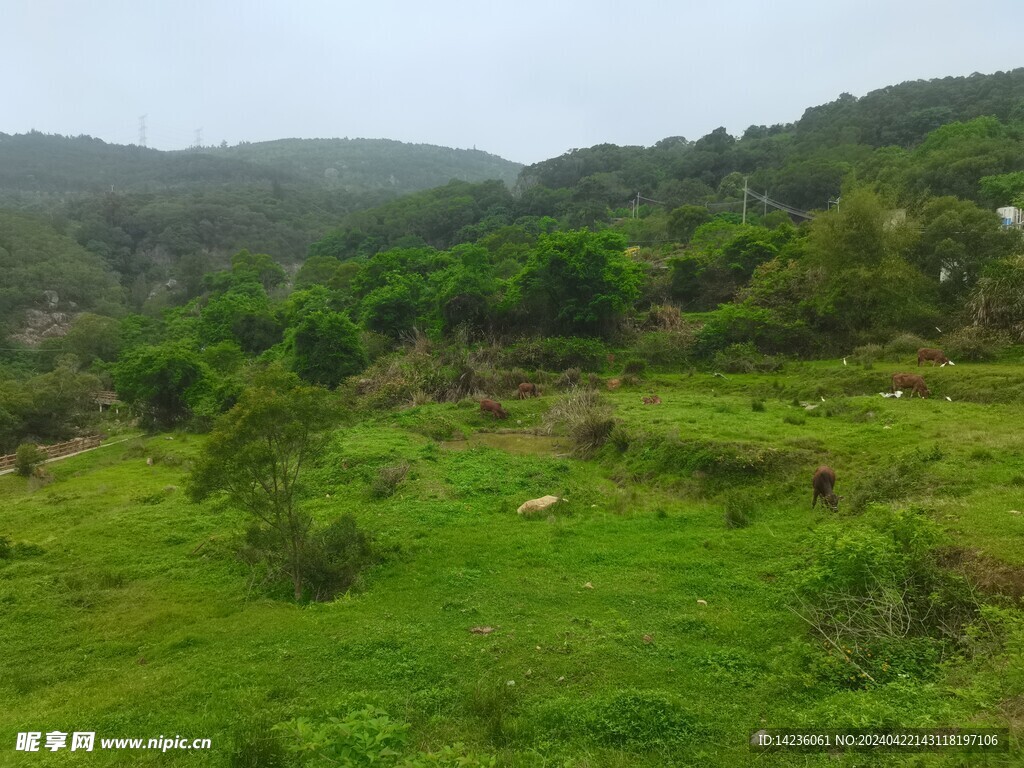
x=307, y=548
x=596, y=650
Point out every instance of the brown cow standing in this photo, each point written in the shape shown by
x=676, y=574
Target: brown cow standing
x=910, y=381
x=937, y=356
x=493, y=407
x=824, y=483
x=526, y=389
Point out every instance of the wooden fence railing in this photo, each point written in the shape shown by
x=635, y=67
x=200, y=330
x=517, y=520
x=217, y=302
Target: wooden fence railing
x=57, y=450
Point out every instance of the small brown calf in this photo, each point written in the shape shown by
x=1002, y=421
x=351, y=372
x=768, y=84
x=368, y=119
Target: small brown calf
x=937, y=356
x=824, y=483
x=494, y=408
x=910, y=381
x=526, y=389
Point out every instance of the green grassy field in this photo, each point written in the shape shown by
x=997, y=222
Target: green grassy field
x=125, y=611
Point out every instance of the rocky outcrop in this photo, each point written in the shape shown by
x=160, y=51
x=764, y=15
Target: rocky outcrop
x=47, y=323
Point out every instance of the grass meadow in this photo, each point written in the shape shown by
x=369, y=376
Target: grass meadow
x=646, y=619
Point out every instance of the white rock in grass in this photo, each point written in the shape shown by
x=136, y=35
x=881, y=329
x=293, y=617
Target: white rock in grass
x=537, y=505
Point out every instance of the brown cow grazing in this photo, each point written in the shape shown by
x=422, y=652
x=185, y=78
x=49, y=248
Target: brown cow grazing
x=824, y=483
x=614, y=383
x=526, y=389
x=937, y=356
x=494, y=408
x=652, y=400
x=910, y=381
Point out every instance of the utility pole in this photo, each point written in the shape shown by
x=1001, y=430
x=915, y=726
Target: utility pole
x=199, y=138
x=744, y=199
x=765, y=203
x=636, y=206
x=142, y=131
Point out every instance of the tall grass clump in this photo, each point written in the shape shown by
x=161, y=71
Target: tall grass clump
x=388, y=479
x=584, y=417
x=867, y=354
x=738, y=511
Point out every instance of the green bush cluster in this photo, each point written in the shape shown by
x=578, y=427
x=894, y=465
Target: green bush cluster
x=27, y=458
x=878, y=595
x=745, y=358
x=556, y=353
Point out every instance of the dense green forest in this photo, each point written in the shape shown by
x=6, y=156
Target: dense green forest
x=249, y=251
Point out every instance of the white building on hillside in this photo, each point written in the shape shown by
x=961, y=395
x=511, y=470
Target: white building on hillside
x=1012, y=217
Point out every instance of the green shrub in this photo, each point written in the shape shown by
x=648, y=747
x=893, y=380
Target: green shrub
x=388, y=479
x=336, y=556
x=666, y=348
x=634, y=368
x=6, y=551
x=27, y=458
x=867, y=354
x=974, y=344
x=764, y=329
x=377, y=345
x=757, y=405
x=877, y=590
x=905, y=344
x=556, y=353
x=744, y=358
x=796, y=419
x=570, y=378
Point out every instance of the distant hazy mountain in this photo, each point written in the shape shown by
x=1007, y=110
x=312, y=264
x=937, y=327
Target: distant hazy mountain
x=41, y=164
x=372, y=163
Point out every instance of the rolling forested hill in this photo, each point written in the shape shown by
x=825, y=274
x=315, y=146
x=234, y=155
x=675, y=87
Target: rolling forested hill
x=361, y=164
x=39, y=164
x=945, y=153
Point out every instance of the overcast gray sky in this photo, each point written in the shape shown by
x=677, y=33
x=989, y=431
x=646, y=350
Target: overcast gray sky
x=524, y=80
